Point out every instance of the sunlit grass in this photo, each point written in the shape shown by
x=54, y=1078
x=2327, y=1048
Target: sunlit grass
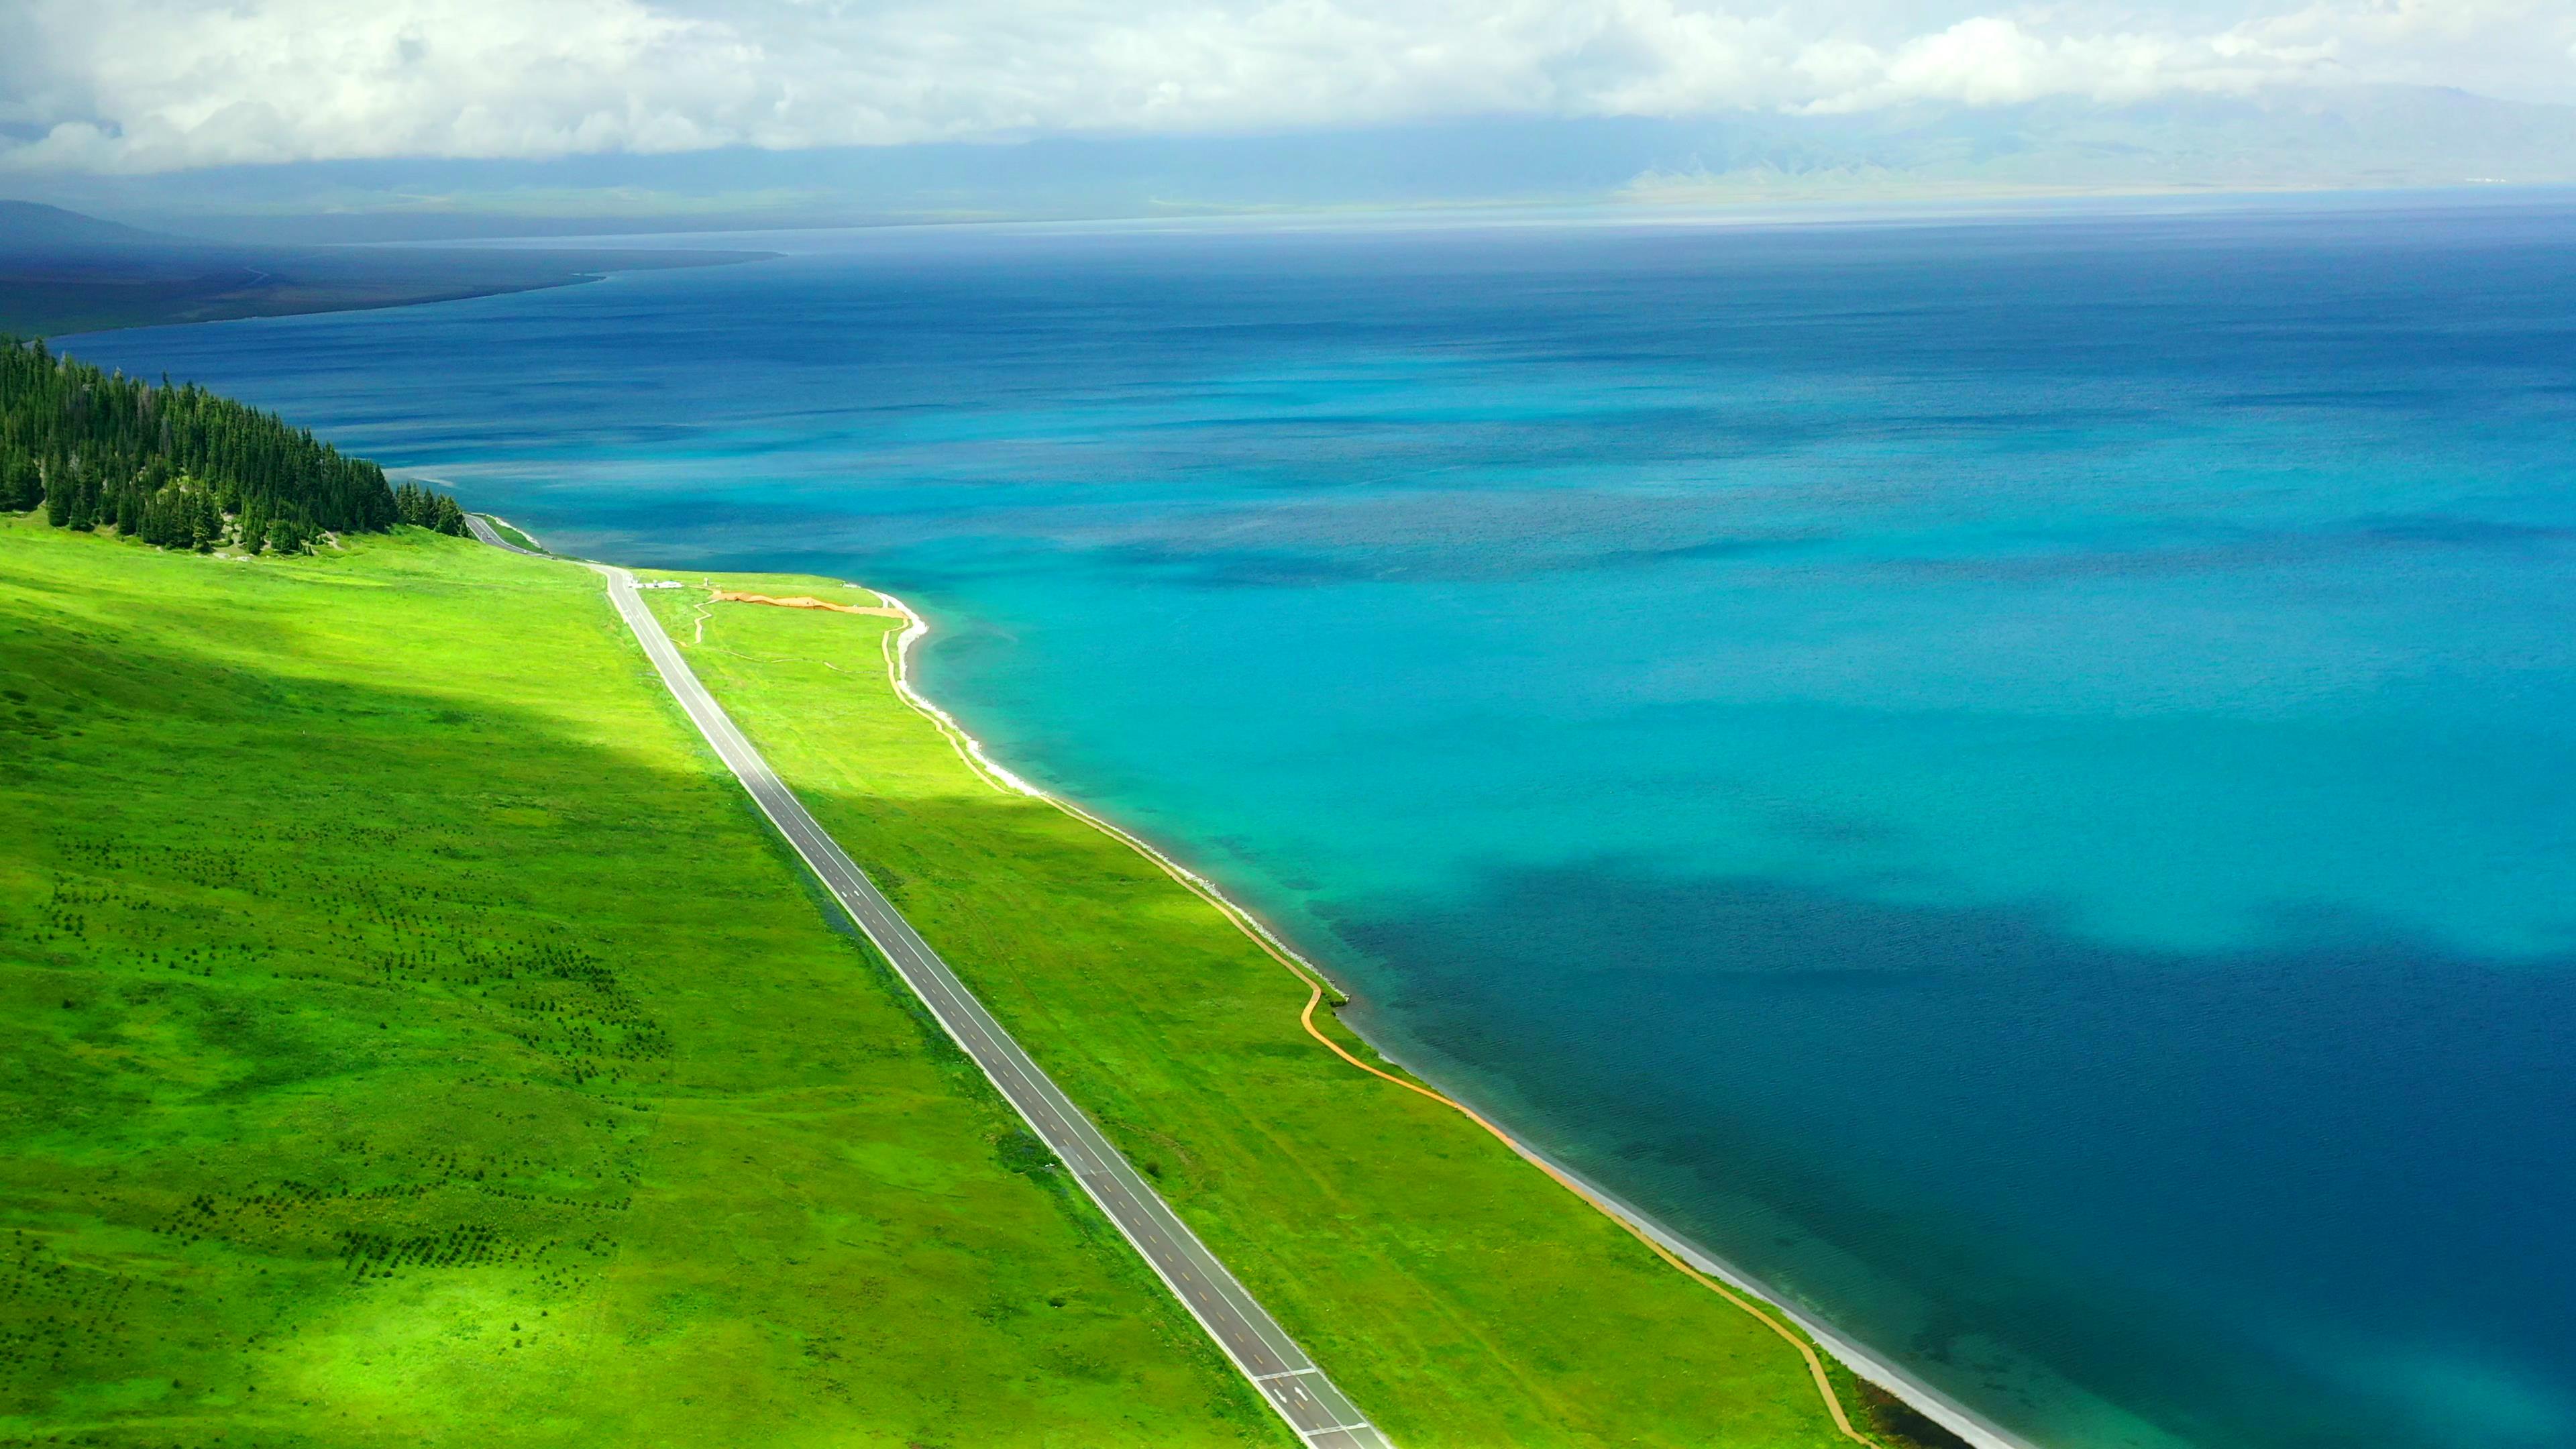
x=411, y=1037
x=1461, y=1297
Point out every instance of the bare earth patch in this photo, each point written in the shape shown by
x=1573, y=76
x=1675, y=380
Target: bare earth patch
x=803, y=601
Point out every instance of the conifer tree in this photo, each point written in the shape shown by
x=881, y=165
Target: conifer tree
x=165, y=463
x=19, y=488
x=205, y=522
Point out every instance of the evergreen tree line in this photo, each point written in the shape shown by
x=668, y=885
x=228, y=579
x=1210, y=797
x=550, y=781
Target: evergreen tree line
x=179, y=467
x=426, y=508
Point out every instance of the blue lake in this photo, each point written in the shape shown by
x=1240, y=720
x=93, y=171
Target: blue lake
x=2014, y=778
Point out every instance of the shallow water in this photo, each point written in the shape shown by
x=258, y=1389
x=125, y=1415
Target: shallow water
x=2012, y=778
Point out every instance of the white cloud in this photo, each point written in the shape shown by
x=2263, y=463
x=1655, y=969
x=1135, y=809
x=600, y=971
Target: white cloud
x=142, y=85
x=1993, y=60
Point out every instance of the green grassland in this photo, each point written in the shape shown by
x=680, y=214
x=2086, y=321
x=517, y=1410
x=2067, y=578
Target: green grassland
x=407, y=1036
x=1459, y=1296
x=514, y=536
x=410, y=1035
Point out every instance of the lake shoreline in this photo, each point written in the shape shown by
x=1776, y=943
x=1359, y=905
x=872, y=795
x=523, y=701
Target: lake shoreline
x=1974, y=1428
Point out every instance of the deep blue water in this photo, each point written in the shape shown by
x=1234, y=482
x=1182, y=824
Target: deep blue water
x=2013, y=778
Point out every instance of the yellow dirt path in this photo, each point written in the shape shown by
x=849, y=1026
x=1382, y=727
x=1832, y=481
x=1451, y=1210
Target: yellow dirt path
x=1260, y=936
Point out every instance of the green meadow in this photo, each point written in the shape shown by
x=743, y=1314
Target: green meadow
x=413, y=1037
x=409, y=1038
x=1459, y=1295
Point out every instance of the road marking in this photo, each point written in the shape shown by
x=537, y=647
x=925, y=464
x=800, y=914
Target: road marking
x=1246, y=1334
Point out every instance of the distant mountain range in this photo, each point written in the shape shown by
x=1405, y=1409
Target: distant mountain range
x=2286, y=138
x=63, y=272
x=27, y=227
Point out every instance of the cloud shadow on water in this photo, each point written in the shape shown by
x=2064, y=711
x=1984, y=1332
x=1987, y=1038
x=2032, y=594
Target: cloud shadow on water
x=2204, y=1186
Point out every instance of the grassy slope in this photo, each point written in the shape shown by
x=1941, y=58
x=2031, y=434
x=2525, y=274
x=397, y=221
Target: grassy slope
x=406, y=1036
x=1458, y=1295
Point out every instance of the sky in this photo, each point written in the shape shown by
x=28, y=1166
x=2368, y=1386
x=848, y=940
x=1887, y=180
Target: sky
x=142, y=87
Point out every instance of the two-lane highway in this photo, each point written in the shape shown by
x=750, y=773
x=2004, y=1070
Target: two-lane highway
x=1286, y=1378
x=484, y=532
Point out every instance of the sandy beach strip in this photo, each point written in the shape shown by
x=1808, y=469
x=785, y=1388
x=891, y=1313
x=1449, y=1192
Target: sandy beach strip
x=1933, y=1404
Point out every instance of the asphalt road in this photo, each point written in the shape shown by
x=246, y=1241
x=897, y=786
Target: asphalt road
x=475, y=525
x=1289, y=1381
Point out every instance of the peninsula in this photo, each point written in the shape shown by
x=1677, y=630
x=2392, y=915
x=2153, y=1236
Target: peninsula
x=63, y=272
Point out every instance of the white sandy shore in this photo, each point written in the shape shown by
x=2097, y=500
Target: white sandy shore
x=1933, y=1404
x=521, y=532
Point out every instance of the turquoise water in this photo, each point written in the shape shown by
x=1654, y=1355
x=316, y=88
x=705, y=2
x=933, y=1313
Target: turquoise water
x=2012, y=778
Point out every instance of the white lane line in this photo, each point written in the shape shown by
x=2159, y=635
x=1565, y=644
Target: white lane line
x=1242, y=1331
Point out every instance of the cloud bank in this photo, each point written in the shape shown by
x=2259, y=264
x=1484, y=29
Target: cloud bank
x=125, y=86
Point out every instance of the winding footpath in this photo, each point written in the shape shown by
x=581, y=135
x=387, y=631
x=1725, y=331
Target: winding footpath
x=1971, y=1430
x=1321, y=1415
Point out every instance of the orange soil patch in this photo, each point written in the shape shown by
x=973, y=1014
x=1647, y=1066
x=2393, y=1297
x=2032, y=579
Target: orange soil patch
x=804, y=601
